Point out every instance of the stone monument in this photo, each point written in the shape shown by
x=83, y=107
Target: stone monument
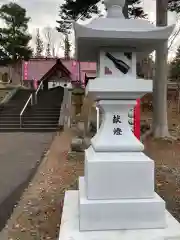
x=116, y=198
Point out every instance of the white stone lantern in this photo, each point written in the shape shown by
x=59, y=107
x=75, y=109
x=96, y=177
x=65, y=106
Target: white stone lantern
x=116, y=198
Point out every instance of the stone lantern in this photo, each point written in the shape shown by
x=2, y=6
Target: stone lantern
x=116, y=198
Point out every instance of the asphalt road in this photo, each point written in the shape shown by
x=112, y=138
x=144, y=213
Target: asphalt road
x=20, y=154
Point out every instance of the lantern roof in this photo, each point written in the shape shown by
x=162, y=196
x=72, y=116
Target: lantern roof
x=115, y=31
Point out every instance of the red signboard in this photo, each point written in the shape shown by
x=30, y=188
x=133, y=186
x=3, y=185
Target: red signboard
x=25, y=71
x=74, y=63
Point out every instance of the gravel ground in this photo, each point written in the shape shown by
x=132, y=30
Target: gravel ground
x=167, y=160
x=3, y=93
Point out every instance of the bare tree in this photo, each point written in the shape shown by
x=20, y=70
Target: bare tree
x=48, y=38
x=160, y=122
x=52, y=38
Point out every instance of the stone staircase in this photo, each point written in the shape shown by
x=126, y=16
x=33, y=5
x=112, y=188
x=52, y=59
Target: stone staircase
x=10, y=111
x=43, y=116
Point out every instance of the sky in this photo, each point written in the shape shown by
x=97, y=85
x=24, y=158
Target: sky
x=44, y=13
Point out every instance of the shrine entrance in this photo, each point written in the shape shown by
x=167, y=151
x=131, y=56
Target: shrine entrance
x=45, y=85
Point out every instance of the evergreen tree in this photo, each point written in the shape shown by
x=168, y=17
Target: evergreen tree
x=174, y=5
x=80, y=9
x=14, y=37
x=72, y=10
x=132, y=9
x=39, y=45
x=67, y=47
x=48, y=51
x=3, y=56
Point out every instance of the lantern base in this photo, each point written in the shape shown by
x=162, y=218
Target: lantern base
x=70, y=226
x=120, y=213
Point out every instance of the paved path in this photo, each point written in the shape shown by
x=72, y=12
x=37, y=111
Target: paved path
x=19, y=156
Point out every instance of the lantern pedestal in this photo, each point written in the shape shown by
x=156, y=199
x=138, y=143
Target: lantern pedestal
x=117, y=191
x=116, y=198
x=119, y=175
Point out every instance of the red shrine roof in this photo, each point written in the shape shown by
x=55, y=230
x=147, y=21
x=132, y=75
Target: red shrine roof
x=38, y=68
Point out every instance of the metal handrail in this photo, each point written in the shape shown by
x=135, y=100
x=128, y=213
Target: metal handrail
x=24, y=108
x=37, y=91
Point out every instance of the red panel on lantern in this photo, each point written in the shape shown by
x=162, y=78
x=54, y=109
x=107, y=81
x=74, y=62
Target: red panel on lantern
x=137, y=127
